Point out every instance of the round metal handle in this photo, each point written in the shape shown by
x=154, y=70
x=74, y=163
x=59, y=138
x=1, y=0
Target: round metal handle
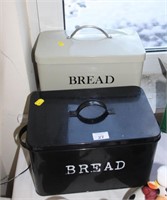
x=21, y=132
x=88, y=26
x=92, y=120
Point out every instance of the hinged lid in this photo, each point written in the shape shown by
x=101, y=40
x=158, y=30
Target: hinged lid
x=54, y=47
x=90, y=117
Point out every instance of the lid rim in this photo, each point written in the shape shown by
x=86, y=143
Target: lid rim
x=89, y=146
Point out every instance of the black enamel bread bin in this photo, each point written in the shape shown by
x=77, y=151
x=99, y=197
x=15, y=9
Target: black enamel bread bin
x=90, y=139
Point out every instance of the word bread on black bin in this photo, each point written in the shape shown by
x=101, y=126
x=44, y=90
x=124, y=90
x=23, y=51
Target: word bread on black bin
x=94, y=167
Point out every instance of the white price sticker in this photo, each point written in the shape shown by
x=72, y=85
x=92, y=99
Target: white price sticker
x=100, y=136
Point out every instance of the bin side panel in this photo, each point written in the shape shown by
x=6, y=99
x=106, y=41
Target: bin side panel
x=62, y=172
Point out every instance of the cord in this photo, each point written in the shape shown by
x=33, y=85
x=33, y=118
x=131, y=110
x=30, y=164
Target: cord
x=5, y=182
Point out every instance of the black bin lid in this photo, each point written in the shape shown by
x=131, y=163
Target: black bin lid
x=90, y=118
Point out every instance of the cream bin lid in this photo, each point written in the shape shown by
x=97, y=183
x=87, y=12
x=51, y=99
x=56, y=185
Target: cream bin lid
x=54, y=47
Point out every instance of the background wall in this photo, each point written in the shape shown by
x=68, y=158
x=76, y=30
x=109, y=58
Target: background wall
x=20, y=24
x=16, y=77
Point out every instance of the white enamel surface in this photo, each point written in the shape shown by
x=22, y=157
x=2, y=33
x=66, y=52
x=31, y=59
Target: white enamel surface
x=122, y=47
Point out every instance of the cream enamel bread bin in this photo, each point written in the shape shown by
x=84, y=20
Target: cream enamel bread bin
x=107, y=60
x=90, y=139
